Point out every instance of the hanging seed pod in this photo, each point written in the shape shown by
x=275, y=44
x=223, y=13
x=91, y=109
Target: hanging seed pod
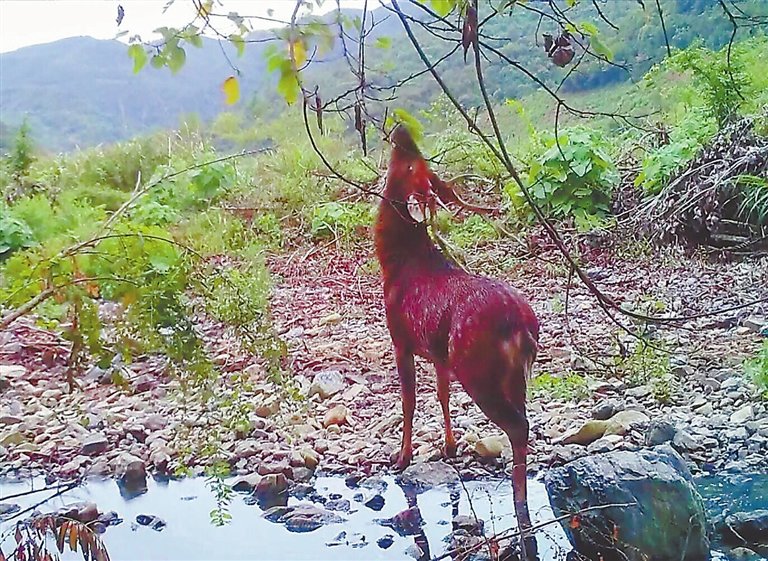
x=469, y=31
x=562, y=56
x=319, y=110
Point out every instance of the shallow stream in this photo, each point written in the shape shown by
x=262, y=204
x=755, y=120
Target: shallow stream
x=186, y=505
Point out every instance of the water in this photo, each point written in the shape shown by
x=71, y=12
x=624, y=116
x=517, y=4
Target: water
x=189, y=535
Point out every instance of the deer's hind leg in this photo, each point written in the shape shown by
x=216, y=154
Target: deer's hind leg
x=444, y=394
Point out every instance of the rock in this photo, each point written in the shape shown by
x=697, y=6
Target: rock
x=337, y=415
x=386, y=541
x=622, y=421
x=340, y=505
x=490, y=446
x=427, y=475
x=6, y=509
x=659, y=432
x=563, y=454
x=154, y=522
x=686, y=442
x=744, y=554
x=406, y=523
x=309, y=457
x=667, y=524
x=303, y=517
x=154, y=423
x=375, y=503
x=469, y=524
x=742, y=415
x=131, y=470
x=605, y=409
x=639, y=392
x=586, y=434
x=755, y=324
x=272, y=490
x=604, y=444
x=10, y=420
x=11, y=438
x=94, y=444
x=84, y=512
x=326, y=383
x=745, y=528
x=246, y=483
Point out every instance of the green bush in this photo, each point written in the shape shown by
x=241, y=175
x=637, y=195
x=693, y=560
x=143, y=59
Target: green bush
x=571, y=176
x=571, y=387
x=14, y=233
x=757, y=369
x=342, y=221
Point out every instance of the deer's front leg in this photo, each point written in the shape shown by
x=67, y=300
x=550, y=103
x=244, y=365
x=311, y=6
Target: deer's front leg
x=407, y=373
x=443, y=394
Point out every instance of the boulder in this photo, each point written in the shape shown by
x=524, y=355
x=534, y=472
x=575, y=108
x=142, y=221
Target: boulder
x=659, y=432
x=272, y=490
x=425, y=476
x=336, y=415
x=406, y=523
x=664, y=522
x=326, y=383
x=490, y=446
x=303, y=517
x=94, y=444
x=745, y=528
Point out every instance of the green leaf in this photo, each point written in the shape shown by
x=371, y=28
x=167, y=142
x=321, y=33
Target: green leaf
x=414, y=126
x=238, y=42
x=139, y=56
x=288, y=87
x=157, y=61
x=588, y=28
x=442, y=7
x=383, y=43
x=176, y=59
x=600, y=48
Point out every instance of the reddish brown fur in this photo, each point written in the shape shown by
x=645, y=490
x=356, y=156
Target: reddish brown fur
x=480, y=330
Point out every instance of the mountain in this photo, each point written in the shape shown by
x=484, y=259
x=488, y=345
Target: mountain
x=82, y=91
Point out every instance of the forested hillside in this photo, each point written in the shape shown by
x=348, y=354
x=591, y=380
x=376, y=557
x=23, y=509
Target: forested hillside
x=82, y=91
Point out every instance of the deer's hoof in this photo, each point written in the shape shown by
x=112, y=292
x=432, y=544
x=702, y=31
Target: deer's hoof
x=403, y=461
x=449, y=450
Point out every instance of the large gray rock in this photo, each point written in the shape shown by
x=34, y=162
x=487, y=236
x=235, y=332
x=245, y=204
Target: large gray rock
x=303, y=517
x=745, y=528
x=667, y=523
x=427, y=475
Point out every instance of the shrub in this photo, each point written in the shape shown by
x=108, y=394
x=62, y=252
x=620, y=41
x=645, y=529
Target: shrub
x=757, y=369
x=14, y=233
x=570, y=176
x=571, y=387
x=342, y=221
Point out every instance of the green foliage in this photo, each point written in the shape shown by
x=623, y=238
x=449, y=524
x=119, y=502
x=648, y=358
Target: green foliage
x=757, y=369
x=570, y=387
x=341, y=221
x=14, y=233
x=21, y=156
x=571, y=176
x=721, y=82
x=754, y=199
x=649, y=365
x=472, y=232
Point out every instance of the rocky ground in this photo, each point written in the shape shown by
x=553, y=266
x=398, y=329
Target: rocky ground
x=328, y=309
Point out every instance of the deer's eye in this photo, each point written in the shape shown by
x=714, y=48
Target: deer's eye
x=410, y=168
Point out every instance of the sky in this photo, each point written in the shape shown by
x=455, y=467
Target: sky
x=30, y=22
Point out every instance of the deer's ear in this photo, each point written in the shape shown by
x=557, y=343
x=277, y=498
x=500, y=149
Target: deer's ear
x=416, y=209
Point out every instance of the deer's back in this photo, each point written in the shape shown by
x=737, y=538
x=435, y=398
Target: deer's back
x=447, y=315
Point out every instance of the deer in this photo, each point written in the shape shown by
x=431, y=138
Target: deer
x=475, y=329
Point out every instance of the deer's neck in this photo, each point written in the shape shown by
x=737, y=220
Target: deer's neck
x=402, y=243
